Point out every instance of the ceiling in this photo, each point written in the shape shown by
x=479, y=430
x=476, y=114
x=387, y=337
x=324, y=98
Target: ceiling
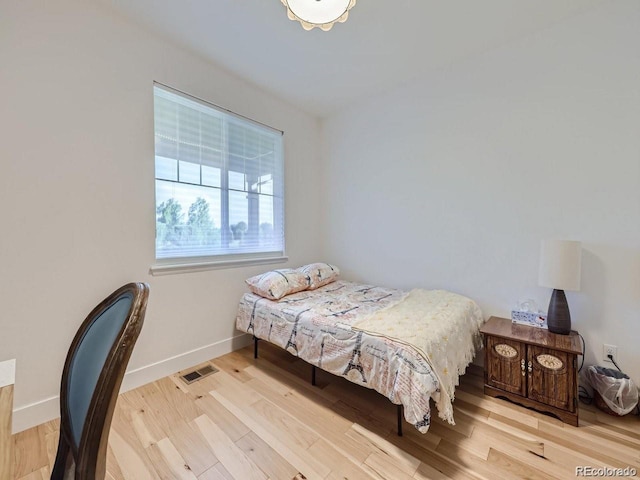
x=382, y=45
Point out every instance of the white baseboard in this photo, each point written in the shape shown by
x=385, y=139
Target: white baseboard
x=35, y=413
x=150, y=373
x=28, y=416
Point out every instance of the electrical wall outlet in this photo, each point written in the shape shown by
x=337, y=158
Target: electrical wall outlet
x=609, y=350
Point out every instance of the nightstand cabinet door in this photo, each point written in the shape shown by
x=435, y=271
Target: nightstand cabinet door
x=551, y=377
x=505, y=365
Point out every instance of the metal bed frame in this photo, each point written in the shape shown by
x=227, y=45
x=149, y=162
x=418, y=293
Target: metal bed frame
x=400, y=408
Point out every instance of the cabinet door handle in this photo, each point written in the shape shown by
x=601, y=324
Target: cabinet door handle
x=529, y=367
x=522, y=366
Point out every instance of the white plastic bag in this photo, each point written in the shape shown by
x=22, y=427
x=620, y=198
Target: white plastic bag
x=616, y=389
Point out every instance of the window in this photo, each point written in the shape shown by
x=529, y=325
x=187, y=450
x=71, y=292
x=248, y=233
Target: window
x=219, y=183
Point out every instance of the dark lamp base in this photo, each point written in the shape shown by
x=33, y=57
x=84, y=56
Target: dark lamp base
x=558, y=316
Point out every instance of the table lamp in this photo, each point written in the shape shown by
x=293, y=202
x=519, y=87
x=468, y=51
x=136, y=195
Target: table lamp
x=560, y=264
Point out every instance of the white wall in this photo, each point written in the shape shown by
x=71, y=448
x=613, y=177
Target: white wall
x=453, y=180
x=77, y=190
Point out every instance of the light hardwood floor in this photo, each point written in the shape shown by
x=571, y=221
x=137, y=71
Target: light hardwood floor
x=261, y=419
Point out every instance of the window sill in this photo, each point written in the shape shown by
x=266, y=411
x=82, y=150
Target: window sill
x=176, y=268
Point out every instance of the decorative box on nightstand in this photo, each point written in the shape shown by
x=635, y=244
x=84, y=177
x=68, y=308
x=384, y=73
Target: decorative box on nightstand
x=533, y=367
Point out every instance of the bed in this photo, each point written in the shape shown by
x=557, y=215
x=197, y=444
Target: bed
x=408, y=346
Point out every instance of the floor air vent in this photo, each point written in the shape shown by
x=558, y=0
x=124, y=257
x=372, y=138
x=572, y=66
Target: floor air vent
x=196, y=375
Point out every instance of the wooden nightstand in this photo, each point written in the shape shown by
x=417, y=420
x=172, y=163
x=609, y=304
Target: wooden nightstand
x=533, y=367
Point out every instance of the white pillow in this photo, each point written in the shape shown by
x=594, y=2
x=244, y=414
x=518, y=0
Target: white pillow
x=275, y=284
x=320, y=274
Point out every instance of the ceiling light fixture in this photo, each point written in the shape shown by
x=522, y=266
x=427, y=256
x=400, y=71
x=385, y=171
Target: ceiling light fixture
x=318, y=13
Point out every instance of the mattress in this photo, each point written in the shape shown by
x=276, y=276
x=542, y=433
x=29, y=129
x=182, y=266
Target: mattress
x=408, y=346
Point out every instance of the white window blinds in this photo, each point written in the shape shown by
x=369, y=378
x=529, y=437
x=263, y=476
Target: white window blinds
x=219, y=182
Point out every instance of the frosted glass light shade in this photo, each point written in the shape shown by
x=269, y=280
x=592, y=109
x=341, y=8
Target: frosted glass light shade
x=560, y=264
x=318, y=13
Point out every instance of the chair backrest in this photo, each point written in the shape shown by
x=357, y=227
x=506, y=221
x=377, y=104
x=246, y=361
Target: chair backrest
x=92, y=377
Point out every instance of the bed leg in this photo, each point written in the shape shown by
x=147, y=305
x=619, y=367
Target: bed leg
x=400, y=408
x=255, y=346
x=313, y=375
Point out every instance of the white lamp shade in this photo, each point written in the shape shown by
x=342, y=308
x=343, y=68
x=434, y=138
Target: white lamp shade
x=560, y=264
x=318, y=13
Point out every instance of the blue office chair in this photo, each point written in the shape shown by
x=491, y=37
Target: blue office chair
x=91, y=380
